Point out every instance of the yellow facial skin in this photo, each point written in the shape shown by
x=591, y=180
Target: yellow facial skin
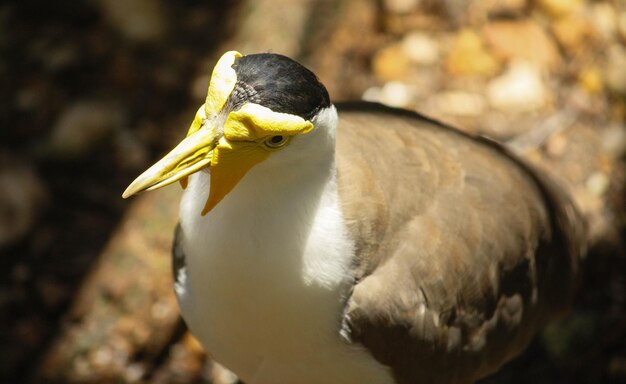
x=248, y=137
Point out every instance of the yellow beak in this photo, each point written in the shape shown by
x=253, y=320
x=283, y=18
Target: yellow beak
x=204, y=147
x=190, y=155
x=229, y=162
x=199, y=149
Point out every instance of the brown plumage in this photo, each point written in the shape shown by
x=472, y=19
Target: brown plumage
x=440, y=253
x=463, y=251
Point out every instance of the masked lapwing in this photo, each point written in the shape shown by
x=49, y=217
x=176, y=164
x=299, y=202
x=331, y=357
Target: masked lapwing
x=358, y=243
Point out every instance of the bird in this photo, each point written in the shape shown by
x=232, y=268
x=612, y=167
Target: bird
x=356, y=242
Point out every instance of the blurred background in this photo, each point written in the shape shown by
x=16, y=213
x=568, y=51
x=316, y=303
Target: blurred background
x=93, y=91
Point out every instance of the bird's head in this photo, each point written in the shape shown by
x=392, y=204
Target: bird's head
x=256, y=106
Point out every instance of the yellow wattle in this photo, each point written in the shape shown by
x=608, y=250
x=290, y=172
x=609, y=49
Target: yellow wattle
x=242, y=147
x=231, y=162
x=223, y=80
x=230, y=151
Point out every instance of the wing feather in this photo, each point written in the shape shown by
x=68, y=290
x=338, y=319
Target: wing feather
x=463, y=251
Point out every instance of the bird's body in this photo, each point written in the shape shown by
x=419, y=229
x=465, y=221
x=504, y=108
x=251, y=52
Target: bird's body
x=265, y=299
x=387, y=248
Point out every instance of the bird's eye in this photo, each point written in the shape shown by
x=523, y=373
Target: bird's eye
x=276, y=141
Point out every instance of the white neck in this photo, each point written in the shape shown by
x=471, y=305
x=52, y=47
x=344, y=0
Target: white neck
x=277, y=216
x=269, y=267
x=283, y=208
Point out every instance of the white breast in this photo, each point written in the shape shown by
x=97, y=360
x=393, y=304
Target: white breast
x=267, y=274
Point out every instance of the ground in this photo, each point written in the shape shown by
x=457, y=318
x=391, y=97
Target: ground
x=93, y=91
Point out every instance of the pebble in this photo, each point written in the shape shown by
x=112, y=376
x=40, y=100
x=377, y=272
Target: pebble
x=505, y=6
x=391, y=63
x=469, y=57
x=556, y=146
x=162, y=310
x=604, y=19
x=401, y=6
x=460, y=103
x=621, y=25
x=573, y=32
x=598, y=183
x=420, y=48
x=519, y=89
x=614, y=139
x=135, y=372
x=220, y=374
x=590, y=78
x=23, y=197
x=81, y=368
x=614, y=71
x=524, y=40
x=393, y=93
x=83, y=126
x=140, y=21
x=558, y=8
x=101, y=357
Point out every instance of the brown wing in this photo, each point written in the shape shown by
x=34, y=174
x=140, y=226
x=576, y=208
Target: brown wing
x=463, y=252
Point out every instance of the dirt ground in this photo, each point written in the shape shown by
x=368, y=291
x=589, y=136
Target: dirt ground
x=94, y=91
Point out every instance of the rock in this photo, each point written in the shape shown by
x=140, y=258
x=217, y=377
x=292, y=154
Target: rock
x=124, y=311
x=621, y=25
x=524, y=40
x=519, y=89
x=590, y=79
x=391, y=63
x=82, y=126
x=401, y=6
x=614, y=73
x=604, y=19
x=420, y=48
x=573, y=32
x=558, y=8
x=372, y=94
x=140, y=21
x=581, y=100
x=185, y=362
x=614, y=139
x=459, y=103
x=23, y=198
x=221, y=375
x=469, y=57
x=396, y=94
x=393, y=93
x=135, y=372
x=507, y=7
x=598, y=183
x=556, y=145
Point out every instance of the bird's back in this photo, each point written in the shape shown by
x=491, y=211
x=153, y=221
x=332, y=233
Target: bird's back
x=463, y=251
